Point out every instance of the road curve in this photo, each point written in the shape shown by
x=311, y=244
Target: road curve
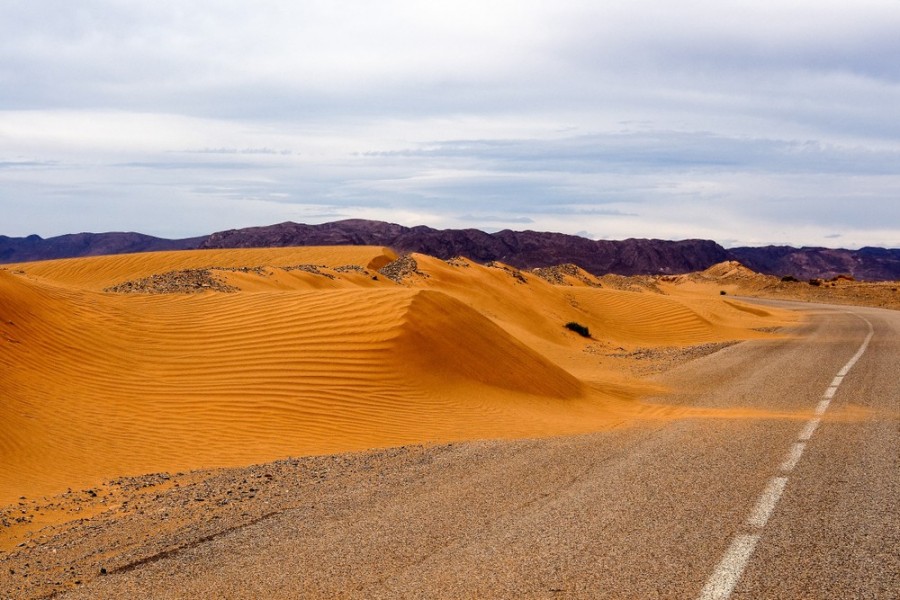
x=647, y=511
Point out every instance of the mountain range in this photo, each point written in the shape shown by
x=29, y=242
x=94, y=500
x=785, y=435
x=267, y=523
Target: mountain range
x=522, y=249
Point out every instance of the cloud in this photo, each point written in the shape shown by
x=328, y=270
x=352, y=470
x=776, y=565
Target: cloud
x=264, y=151
x=662, y=150
x=762, y=121
x=483, y=219
x=173, y=165
x=26, y=164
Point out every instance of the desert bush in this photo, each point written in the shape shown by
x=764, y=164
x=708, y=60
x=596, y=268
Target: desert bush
x=722, y=292
x=578, y=328
x=790, y=279
x=815, y=282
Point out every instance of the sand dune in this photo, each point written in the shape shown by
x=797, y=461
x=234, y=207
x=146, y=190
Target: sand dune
x=733, y=278
x=95, y=385
x=447, y=341
x=99, y=272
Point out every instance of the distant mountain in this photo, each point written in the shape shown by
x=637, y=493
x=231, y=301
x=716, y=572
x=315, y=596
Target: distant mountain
x=35, y=247
x=523, y=249
x=872, y=264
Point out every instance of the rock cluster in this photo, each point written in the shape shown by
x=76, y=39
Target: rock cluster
x=255, y=270
x=557, y=275
x=511, y=271
x=352, y=269
x=189, y=281
x=401, y=269
x=458, y=261
x=314, y=269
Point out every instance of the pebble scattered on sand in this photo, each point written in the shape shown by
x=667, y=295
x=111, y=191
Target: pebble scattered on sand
x=138, y=520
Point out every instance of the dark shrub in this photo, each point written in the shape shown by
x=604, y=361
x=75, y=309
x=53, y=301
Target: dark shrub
x=815, y=282
x=790, y=279
x=578, y=328
x=722, y=292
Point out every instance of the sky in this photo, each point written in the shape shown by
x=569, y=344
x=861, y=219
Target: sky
x=749, y=123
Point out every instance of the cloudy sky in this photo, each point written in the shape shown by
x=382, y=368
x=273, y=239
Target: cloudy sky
x=745, y=122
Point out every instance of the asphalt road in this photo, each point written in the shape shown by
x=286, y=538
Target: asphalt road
x=756, y=501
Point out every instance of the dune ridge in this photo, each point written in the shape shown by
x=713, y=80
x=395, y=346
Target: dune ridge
x=309, y=361
x=99, y=272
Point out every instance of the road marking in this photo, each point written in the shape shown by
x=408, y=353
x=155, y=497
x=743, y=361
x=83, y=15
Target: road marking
x=809, y=430
x=730, y=568
x=862, y=349
x=766, y=503
x=793, y=457
x=728, y=572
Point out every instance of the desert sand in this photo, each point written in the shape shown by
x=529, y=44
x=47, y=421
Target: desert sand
x=732, y=278
x=175, y=361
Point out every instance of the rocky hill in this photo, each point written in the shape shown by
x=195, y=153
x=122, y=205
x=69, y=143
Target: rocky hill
x=522, y=249
x=871, y=264
x=34, y=247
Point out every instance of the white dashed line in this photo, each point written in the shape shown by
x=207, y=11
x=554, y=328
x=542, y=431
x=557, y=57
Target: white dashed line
x=729, y=570
x=766, y=503
x=793, y=457
x=809, y=429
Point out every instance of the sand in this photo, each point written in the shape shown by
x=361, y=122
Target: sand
x=732, y=278
x=312, y=352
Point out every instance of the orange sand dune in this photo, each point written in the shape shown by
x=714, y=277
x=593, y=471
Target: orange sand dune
x=654, y=320
x=95, y=385
x=533, y=311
